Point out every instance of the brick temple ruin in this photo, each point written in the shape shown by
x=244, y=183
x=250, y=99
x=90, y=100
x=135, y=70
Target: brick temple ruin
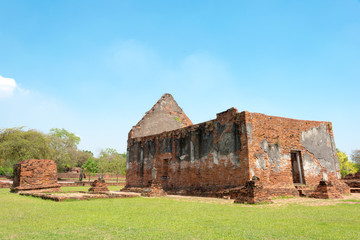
x=247, y=156
x=35, y=175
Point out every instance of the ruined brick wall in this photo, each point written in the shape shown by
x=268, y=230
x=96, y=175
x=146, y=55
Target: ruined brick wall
x=271, y=140
x=193, y=160
x=35, y=174
x=225, y=153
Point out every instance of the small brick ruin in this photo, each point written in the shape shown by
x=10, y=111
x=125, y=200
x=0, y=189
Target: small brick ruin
x=38, y=175
x=326, y=190
x=154, y=190
x=99, y=186
x=252, y=192
x=220, y=157
x=353, y=181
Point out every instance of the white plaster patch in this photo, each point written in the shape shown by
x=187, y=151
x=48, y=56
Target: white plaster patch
x=192, y=152
x=260, y=162
x=215, y=157
x=182, y=157
x=284, y=160
x=325, y=176
x=252, y=173
x=310, y=167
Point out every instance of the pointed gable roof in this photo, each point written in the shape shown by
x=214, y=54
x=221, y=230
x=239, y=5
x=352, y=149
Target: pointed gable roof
x=165, y=115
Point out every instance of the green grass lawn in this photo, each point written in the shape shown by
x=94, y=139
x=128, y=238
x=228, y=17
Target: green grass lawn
x=23, y=217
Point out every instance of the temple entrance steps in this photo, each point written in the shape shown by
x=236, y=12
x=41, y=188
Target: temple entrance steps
x=304, y=190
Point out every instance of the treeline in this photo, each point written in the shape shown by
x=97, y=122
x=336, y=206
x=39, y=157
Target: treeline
x=60, y=145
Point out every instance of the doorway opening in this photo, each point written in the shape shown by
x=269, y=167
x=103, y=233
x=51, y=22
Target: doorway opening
x=297, y=168
x=165, y=169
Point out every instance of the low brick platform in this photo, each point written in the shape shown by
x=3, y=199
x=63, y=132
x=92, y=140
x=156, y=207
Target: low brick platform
x=58, y=197
x=5, y=184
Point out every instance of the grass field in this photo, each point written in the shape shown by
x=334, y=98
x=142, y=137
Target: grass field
x=24, y=217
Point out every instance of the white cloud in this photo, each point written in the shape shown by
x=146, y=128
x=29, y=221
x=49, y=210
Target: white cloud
x=7, y=87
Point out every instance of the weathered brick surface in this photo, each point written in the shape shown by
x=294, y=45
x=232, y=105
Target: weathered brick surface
x=353, y=181
x=252, y=192
x=219, y=157
x=326, y=190
x=5, y=184
x=282, y=135
x=154, y=190
x=202, y=159
x=353, y=176
x=35, y=175
x=98, y=186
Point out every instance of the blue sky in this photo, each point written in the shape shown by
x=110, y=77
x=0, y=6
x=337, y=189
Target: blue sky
x=95, y=67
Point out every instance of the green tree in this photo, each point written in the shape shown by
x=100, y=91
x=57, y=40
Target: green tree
x=90, y=167
x=103, y=164
x=78, y=157
x=346, y=166
x=69, y=139
x=113, y=162
x=16, y=145
x=118, y=166
x=63, y=146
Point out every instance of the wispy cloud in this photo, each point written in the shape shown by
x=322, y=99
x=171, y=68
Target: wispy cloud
x=134, y=61
x=200, y=71
x=8, y=86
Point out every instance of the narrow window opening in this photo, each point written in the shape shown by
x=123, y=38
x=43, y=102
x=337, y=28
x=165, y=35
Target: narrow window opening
x=165, y=169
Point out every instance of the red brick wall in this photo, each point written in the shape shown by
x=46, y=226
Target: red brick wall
x=285, y=134
x=206, y=156
x=230, y=150
x=35, y=174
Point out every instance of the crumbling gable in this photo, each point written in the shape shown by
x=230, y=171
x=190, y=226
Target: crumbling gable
x=165, y=115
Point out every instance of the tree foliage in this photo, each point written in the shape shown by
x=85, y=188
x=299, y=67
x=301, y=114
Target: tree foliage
x=346, y=166
x=90, y=167
x=17, y=144
x=113, y=162
x=60, y=145
x=64, y=151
